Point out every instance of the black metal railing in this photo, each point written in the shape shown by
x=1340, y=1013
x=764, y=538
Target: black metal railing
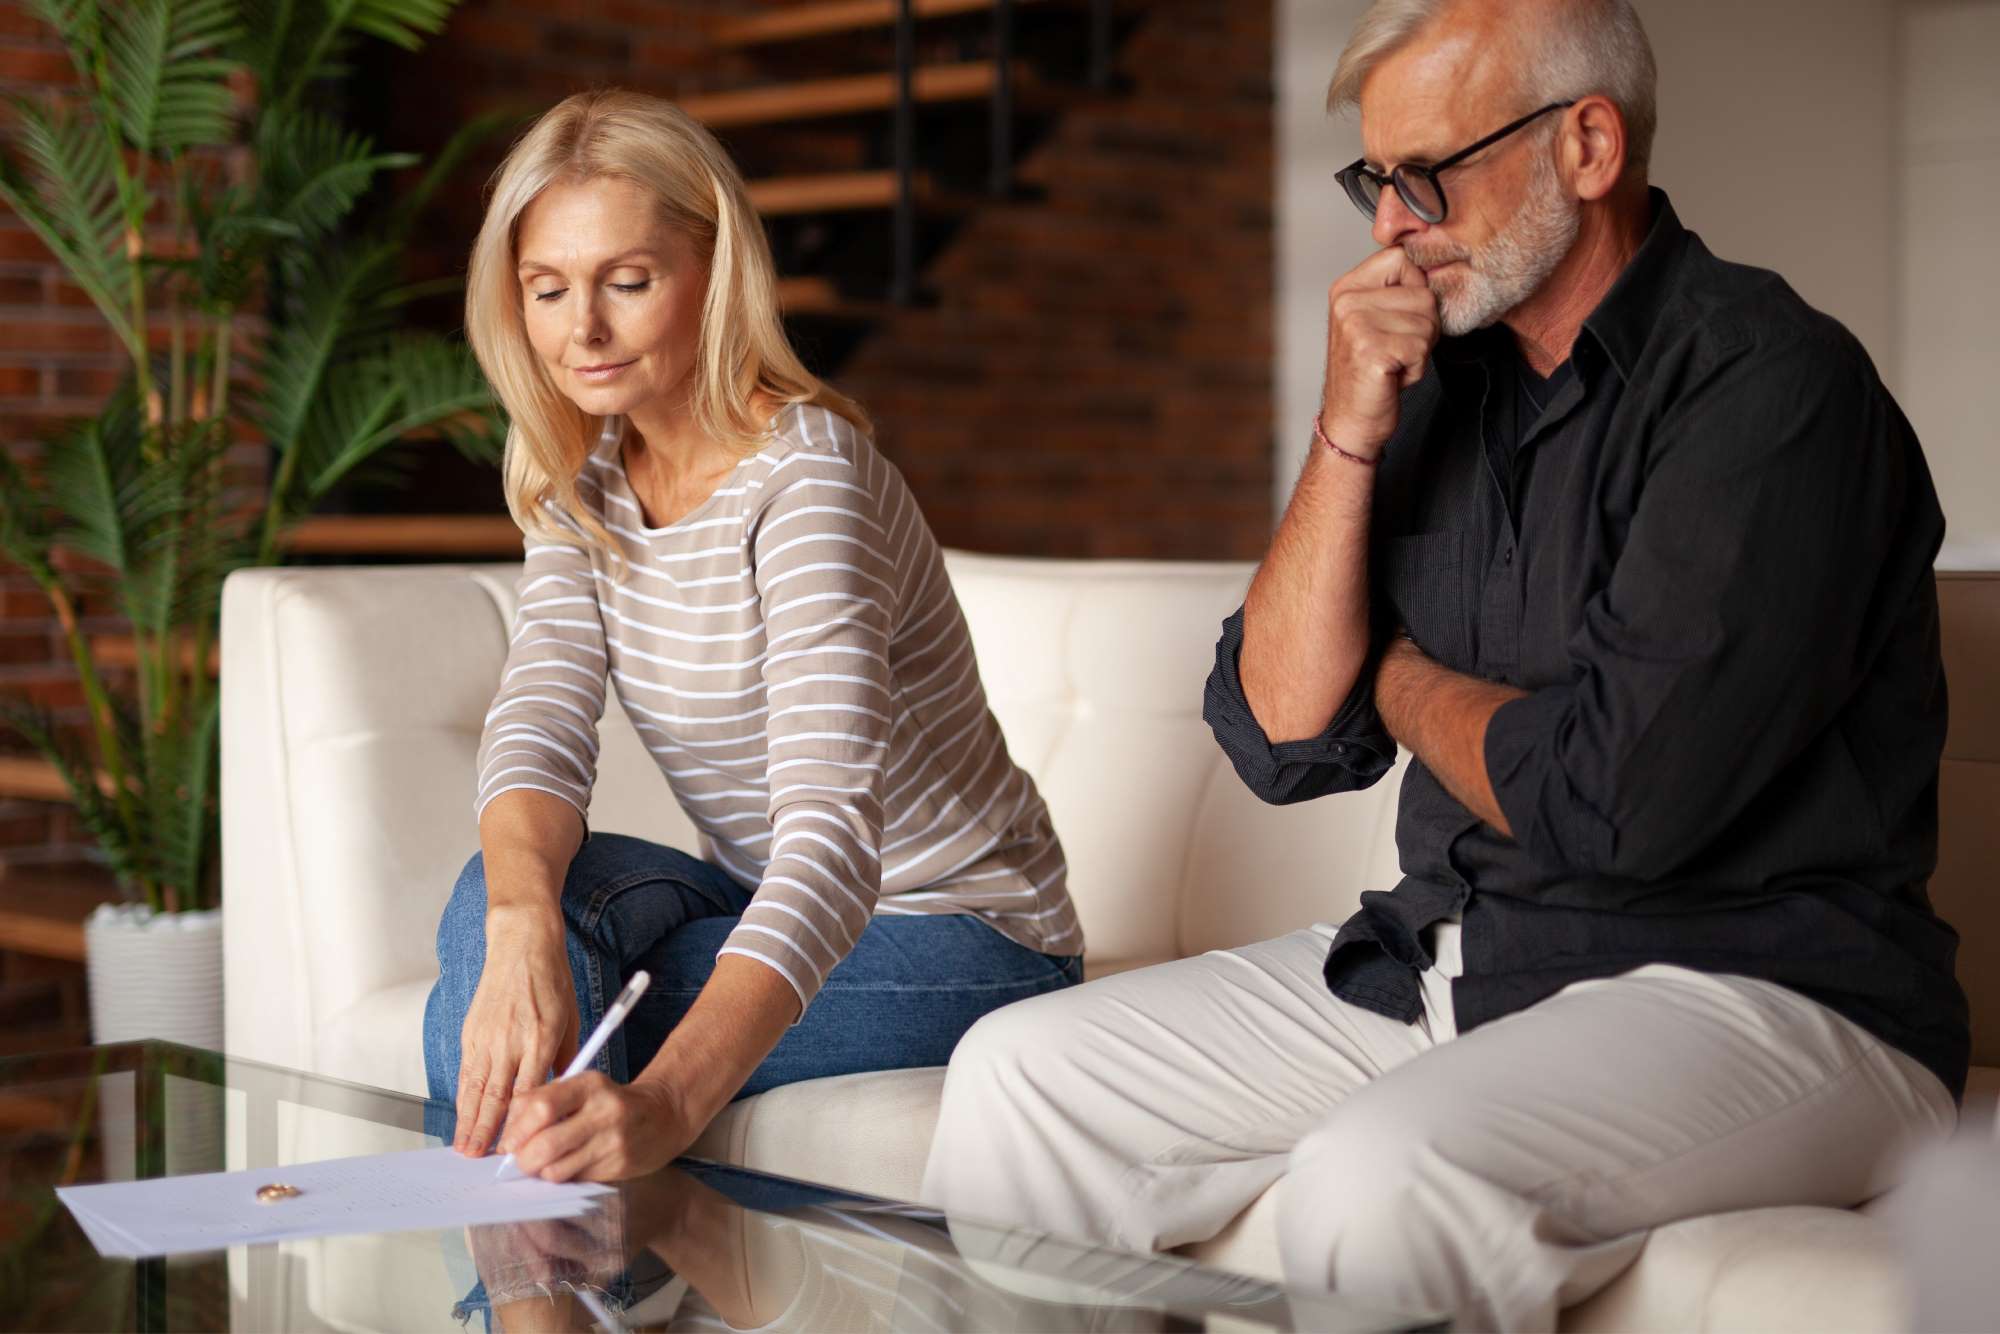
x=903, y=285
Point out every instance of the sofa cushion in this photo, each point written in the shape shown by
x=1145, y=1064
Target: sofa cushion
x=868, y=1132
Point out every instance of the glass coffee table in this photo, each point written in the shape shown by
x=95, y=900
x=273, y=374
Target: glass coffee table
x=694, y=1246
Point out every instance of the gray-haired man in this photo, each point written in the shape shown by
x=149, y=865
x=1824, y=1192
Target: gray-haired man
x=1632, y=550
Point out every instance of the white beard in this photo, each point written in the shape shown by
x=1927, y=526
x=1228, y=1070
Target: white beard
x=1510, y=267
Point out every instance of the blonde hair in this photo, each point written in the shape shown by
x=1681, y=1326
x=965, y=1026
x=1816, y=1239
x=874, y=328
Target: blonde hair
x=1575, y=48
x=742, y=351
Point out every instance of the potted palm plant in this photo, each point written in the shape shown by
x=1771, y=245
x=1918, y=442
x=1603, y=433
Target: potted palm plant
x=197, y=190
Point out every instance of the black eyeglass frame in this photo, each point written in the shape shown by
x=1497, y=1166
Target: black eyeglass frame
x=1352, y=175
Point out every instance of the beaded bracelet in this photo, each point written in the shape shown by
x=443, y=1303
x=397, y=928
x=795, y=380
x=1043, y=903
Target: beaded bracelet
x=1320, y=432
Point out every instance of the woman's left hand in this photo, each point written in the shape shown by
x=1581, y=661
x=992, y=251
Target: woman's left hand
x=589, y=1129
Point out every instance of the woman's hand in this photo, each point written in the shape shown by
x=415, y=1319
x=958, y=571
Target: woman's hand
x=590, y=1129
x=522, y=1022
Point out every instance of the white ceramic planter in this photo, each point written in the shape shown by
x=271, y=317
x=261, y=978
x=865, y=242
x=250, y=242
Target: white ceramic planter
x=155, y=975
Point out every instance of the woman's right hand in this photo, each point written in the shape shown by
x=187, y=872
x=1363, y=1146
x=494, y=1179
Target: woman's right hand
x=522, y=1023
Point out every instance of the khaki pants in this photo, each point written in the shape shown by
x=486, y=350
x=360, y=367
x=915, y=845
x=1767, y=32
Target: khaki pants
x=1497, y=1176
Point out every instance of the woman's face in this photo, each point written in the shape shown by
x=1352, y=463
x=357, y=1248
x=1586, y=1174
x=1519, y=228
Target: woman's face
x=611, y=296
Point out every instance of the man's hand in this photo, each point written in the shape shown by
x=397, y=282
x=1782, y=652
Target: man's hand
x=589, y=1129
x=1382, y=322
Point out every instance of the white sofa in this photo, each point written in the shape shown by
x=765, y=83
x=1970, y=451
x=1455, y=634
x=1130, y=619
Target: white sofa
x=352, y=701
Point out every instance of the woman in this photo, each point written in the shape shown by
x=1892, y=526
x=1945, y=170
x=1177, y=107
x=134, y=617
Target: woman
x=711, y=527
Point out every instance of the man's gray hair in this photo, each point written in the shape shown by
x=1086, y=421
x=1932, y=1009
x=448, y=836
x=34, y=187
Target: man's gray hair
x=1574, y=48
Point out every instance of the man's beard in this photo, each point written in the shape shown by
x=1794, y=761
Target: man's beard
x=1508, y=269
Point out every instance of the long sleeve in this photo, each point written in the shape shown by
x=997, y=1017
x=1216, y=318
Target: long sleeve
x=1739, y=618
x=541, y=732
x=1350, y=754
x=829, y=589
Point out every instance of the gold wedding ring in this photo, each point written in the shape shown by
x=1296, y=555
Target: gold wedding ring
x=276, y=1191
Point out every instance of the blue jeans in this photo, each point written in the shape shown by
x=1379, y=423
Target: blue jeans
x=901, y=999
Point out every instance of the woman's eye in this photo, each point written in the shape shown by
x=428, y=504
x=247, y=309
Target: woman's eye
x=633, y=287
x=551, y=294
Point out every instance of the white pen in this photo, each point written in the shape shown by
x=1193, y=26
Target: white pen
x=587, y=1053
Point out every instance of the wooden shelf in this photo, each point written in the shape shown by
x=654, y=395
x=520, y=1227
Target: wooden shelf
x=122, y=651
x=30, y=778
x=796, y=22
x=406, y=535
x=844, y=97
x=846, y=191
x=42, y=910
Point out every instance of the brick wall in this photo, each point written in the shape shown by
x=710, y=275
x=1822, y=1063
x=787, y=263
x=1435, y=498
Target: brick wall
x=56, y=362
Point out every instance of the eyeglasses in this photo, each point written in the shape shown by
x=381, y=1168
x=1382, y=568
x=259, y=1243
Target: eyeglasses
x=1421, y=191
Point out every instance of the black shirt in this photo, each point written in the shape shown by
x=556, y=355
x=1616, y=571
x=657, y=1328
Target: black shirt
x=1709, y=558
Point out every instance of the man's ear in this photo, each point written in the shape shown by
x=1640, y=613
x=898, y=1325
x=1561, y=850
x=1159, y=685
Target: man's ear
x=1594, y=146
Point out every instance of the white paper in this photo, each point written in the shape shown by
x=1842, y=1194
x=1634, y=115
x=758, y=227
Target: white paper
x=392, y=1192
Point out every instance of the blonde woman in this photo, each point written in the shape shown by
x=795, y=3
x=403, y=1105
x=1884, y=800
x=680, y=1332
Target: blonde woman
x=711, y=529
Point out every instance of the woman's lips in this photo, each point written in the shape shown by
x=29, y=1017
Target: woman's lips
x=600, y=373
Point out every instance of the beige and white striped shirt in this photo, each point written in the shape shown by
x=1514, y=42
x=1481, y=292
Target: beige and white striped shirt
x=793, y=656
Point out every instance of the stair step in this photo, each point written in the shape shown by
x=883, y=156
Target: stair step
x=843, y=97
x=123, y=651
x=406, y=535
x=837, y=192
x=794, y=22
x=42, y=909
x=31, y=778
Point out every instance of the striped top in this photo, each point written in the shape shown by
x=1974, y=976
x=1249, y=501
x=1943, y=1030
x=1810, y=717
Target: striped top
x=792, y=654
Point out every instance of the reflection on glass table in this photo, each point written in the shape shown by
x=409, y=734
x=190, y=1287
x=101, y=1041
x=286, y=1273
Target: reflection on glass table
x=695, y=1246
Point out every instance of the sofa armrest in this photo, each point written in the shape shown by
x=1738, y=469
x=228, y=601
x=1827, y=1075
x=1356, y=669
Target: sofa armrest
x=267, y=1009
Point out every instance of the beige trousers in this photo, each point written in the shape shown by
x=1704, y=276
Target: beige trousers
x=1496, y=1177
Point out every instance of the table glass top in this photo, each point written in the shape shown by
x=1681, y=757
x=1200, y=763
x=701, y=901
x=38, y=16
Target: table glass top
x=694, y=1246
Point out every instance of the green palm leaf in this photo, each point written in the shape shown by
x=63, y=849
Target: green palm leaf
x=25, y=535
x=163, y=72
x=94, y=810
x=328, y=303
x=314, y=170
x=71, y=202
x=403, y=23
x=417, y=381
x=111, y=501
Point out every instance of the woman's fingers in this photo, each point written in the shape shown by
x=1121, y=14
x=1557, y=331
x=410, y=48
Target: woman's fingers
x=493, y=1101
x=559, y=1119
x=471, y=1089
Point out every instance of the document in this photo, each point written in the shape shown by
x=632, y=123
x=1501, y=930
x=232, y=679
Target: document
x=392, y=1192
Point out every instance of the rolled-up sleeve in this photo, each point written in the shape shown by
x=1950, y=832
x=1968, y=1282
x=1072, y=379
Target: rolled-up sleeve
x=1739, y=617
x=1353, y=751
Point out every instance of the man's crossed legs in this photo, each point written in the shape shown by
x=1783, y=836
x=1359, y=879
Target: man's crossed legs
x=1501, y=1175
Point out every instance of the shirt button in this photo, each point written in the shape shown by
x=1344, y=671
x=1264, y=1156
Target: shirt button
x=1506, y=555
x=1340, y=747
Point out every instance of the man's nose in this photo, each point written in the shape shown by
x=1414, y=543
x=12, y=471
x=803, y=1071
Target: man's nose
x=1393, y=219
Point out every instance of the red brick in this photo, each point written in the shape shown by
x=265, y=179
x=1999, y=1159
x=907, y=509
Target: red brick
x=39, y=65
x=18, y=243
x=19, y=381
x=25, y=333
x=94, y=382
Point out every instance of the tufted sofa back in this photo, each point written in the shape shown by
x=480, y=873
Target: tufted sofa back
x=352, y=704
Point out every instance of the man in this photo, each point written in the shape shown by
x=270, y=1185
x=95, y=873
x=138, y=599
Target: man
x=1632, y=550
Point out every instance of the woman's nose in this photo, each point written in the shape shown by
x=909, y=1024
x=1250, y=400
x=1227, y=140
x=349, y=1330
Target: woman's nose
x=589, y=326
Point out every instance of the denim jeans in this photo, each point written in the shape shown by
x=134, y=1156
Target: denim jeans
x=901, y=999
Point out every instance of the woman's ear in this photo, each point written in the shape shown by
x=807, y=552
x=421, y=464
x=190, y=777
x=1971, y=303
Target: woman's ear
x=1594, y=146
